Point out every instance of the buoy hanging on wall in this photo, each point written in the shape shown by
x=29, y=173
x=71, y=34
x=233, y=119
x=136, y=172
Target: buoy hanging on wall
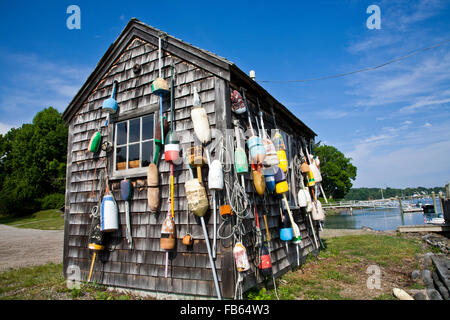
x=200, y=120
x=240, y=257
x=172, y=143
x=168, y=234
x=286, y=230
x=269, y=176
x=110, y=105
x=258, y=180
x=94, y=143
x=237, y=103
x=265, y=264
x=109, y=213
x=196, y=197
x=153, y=187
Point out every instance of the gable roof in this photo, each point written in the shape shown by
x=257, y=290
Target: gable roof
x=207, y=60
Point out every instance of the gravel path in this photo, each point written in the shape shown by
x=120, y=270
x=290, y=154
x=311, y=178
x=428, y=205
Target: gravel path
x=28, y=247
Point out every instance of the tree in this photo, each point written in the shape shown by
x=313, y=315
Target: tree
x=33, y=162
x=337, y=171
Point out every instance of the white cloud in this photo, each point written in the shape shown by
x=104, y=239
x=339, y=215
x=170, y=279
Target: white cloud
x=36, y=84
x=4, y=128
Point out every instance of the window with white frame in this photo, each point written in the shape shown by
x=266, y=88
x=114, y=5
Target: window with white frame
x=134, y=144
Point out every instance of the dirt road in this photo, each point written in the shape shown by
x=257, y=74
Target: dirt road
x=28, y=247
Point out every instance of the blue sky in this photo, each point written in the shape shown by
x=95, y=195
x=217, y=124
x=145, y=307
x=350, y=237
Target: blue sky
x=394, y=122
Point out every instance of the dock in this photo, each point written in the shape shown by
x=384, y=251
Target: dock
x=424, y=228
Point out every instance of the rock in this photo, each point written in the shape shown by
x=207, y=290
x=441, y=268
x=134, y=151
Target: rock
x=427, y=280
x=402, y=294
x=415, y=275
x=420, y=296
x=444, y=292
x=434, y=294
x=427, y=260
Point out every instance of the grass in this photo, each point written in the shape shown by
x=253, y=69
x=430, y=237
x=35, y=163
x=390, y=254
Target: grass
x=47, y=282
x=45, y=220
x=339, y=271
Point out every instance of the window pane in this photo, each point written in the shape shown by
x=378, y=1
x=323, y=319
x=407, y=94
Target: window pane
x=133, y=156
x=121, y=133
x=135, y=130
x=121, y=158
x=147, y=127
x=147, y=153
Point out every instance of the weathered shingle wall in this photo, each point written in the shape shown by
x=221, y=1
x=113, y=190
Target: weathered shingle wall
x=143, y=266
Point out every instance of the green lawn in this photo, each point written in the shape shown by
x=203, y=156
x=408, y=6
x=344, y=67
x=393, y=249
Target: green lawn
x=45, y=220
x=339, y=271
x=47, y=282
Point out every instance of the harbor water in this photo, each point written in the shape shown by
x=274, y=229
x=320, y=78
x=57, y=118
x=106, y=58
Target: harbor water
x=379, y=219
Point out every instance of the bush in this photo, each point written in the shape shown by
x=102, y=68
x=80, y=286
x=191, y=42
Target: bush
x=52, y=201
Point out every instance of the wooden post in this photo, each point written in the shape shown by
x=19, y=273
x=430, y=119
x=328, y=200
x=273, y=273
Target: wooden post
x=400, y=203
x=433, y=195
x=447, y=190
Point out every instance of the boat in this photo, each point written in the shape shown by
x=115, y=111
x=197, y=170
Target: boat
x=436, y=220
x=411, y=209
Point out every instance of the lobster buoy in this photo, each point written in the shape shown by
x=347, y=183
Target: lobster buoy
x=269, y=176
x=317, y=211
x=265, y=264
x=110, y=105
x=304, y=168
x=258, y=181
x=168, y=234
x=188, y=240
x=225, y=210
x=240, y=157
x=160, y=86
x=153, y=187
x=256, y=148
x=317, y=162
x=172, y=147
x=240, y=257
x=315, y=171
x=286, y=233
x=94, y=143
x=311, y=181
x=278, y=142
x=215, y=175
x=281, y=185
x=196, y=197
x=109, y=214
x=200, y=120
x=271, y=158
x=126, y=189
x=237, y=103
x=302, y=198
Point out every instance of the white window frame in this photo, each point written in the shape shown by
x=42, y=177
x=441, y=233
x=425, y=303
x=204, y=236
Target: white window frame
x=133, y=171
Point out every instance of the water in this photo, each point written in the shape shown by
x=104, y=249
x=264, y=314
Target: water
x=380, y=219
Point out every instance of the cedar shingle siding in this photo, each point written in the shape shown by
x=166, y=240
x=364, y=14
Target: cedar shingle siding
x=143, y=266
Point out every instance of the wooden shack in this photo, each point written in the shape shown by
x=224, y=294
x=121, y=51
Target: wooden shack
x=132, y=61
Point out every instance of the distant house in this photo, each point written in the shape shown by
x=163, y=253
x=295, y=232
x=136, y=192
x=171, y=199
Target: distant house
x=132, y=61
